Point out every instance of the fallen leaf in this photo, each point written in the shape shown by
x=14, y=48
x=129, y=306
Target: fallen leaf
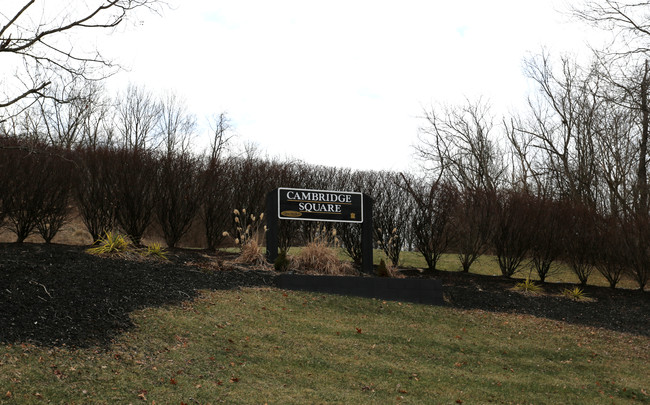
x=8, y=394
x=173, y=381
x=358, y=330
x=234, y=380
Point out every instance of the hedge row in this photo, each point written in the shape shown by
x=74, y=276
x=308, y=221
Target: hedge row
x=134, y=191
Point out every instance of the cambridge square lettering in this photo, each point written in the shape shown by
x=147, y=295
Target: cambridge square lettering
x=317, y=205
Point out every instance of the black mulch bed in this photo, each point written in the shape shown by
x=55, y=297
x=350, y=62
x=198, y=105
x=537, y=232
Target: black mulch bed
x=54, y=295
x=618, y=310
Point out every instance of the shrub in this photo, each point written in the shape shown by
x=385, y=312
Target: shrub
x=177, y=195
x=386, y=270
x=637, y=247
x=36, y=188
x=95, y=200
x=155, y=250
x=529, y=286
x=547, y=238
x=282, y=263
x=431, y=222
x=513, y=230
x=473, y=225
x=35, y=183
x=350, y=236
x=56, y=192
x=390, y=215
x=611, y=260
x=575, y=293
x=248, y=235
x=391, y=243
x=134, y=190
x=252, y=254
x=247, y=227
x=217, y=189
x=319, y=256
x=111, y=243
x=581, y=240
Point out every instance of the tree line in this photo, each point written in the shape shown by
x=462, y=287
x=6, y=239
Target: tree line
x=168, y=193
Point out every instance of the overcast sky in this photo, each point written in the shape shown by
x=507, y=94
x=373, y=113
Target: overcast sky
x=341, y=82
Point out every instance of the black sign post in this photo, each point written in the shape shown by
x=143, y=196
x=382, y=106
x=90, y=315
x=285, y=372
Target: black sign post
x=319, y=205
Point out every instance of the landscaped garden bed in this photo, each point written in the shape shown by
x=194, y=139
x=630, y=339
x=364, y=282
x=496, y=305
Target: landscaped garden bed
x=57, y=294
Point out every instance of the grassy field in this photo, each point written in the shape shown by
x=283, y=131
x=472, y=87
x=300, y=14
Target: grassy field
x=488, y=265
x=270, y=346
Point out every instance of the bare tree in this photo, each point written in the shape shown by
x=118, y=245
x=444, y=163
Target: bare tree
x=629, y=21
x=431, y=221
x=176, y=125
x=473, y=225
x=63, y=123
x=221, y=135
x=457, y=143
x=512, y=238
x=38, y=39
x=97, y=127
x=563, y=124
x=391, y=214
x=217, y=185
x=138, y=115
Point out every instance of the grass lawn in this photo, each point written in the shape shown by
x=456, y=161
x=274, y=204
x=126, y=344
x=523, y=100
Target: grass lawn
x=488, y=265
x=270, y=346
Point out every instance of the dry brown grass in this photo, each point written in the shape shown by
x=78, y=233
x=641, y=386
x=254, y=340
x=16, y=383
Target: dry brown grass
x=318, y=258
x=252, y=254
x=72, y=233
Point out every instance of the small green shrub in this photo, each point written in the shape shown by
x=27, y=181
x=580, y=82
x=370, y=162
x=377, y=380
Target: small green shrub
x=386, y=270
x=529, y=286
x=155, y=250
x=282, y=263
x=111, y=243
x=575, y=293
x=382, y=271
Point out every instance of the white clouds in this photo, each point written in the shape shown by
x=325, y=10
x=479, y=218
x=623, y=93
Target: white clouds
x=340, y=82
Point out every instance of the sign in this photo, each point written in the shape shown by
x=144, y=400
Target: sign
x=320, y=205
